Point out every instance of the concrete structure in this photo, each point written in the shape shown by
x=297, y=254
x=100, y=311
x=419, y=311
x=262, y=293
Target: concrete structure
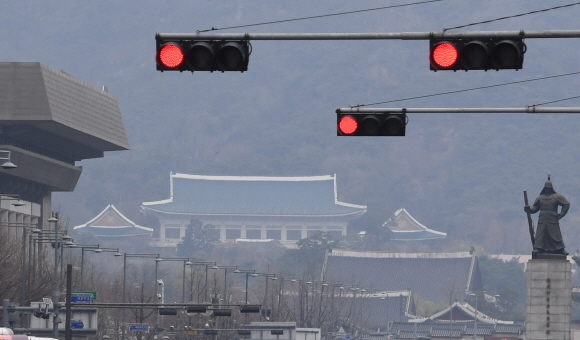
x=549, y=299
x=48, y=121
x=285, y=209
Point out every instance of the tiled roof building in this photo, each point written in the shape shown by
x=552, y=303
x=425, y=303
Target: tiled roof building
x=406, y=271
x=405, y=227
x=286, y=209
x=111, y=223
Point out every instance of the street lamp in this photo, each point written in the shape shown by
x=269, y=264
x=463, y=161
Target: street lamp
x=96, y=249
x=125, y=255
x=267, y=276
x=225, y=268
x=247, y=272
x=8, y=164
x=474, y=315
x=186, y=262
x=206, y=265
x=53, y=222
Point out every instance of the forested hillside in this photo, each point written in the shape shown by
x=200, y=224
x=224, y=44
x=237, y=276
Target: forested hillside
x=459, y=173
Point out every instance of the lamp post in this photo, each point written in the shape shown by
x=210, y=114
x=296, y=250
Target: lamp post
x=125, y=255
x=206, y=264
x=53, y=222
x=96, y=249
x=247, y=272
x=267, y=276
x=225, y=268
x=474, y=316
x=6, y=157
x=186, y=262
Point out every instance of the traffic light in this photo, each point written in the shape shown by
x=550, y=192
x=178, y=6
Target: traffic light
x=167, y=311
x=250, y=309
x=371, y=124
x=202, y=55
x=476, y=54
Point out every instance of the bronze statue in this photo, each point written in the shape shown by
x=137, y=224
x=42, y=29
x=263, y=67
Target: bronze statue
x=548, y=238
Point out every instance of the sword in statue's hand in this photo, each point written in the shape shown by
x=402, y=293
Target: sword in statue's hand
x=530, y=223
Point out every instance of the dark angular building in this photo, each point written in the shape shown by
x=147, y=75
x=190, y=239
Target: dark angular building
x=48, y=121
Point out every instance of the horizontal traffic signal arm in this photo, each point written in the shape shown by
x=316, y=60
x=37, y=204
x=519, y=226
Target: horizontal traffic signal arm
x=476, y=50
x=527, y=109
x=372, y=36
x=357, y=121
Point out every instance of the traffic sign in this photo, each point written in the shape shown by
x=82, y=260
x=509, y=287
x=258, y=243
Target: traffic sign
x=80, y=299
x=91, y=293
x=189, y=332
x=76, y=324
x=139, y=328
x=347, y=336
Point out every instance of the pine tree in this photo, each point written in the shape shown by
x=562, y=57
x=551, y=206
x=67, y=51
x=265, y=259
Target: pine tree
x=197, y=239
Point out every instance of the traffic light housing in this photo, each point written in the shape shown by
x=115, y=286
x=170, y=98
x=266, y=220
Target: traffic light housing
x=476, y=54
x=371, y=124
x=202, y=55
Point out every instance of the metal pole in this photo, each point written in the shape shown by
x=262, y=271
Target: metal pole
x=475, y=319
x=55, y=291
x=68, y=332
x=123, y=309
x=373, y=36
x=529, y=109
x=183, y=284
x=247, y=288
x=23, y=288
x=205, y=288
x=266, y=299
x=82, y=265
x=225, y=285
x=5, y=304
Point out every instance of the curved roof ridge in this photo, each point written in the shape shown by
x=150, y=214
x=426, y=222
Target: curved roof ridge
x=116, y=211
x=254, y=178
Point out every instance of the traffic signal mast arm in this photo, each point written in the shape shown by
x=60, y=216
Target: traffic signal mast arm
x=528, y=109
x=373, y=36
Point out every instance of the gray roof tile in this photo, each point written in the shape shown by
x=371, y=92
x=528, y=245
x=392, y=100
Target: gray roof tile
x=236, y=195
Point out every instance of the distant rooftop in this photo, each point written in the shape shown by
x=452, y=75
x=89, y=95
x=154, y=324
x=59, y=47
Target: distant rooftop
x=405, y=227
x=253, y=196
x=430, y=275
x=111, y=223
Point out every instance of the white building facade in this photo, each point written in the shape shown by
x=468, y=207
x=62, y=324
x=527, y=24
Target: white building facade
x=252, y=208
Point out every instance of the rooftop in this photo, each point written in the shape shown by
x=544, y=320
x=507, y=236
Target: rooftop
x=253, y=195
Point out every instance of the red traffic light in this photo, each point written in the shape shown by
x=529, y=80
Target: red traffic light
x=371, y=124
x=170, y=55
x=444, y=55
x=187, y=54
x=476, y=54
x=347, y=125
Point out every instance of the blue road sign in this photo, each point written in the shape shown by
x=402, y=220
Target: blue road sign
x=77, y=325
x=139, y=328
x=347, y=336
x=81, y=299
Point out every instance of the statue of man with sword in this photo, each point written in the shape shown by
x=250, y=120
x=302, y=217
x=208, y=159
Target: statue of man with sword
x=548, y=237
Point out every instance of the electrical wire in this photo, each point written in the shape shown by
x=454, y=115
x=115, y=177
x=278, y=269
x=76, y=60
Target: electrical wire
x=321, y=16
x=512, y=16
x=473, y=89
x=555, y=101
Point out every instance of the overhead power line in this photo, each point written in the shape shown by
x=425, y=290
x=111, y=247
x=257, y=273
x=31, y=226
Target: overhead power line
x=472, y=89
x=555, y=101
x=321, y=16
x=512, y=16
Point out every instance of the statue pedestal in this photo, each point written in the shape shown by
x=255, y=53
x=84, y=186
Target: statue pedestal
x=549, y=298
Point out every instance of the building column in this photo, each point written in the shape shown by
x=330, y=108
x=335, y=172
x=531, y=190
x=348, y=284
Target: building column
x=243, y=231
x=263, y=231
x=284, y=236
x=222, y=233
